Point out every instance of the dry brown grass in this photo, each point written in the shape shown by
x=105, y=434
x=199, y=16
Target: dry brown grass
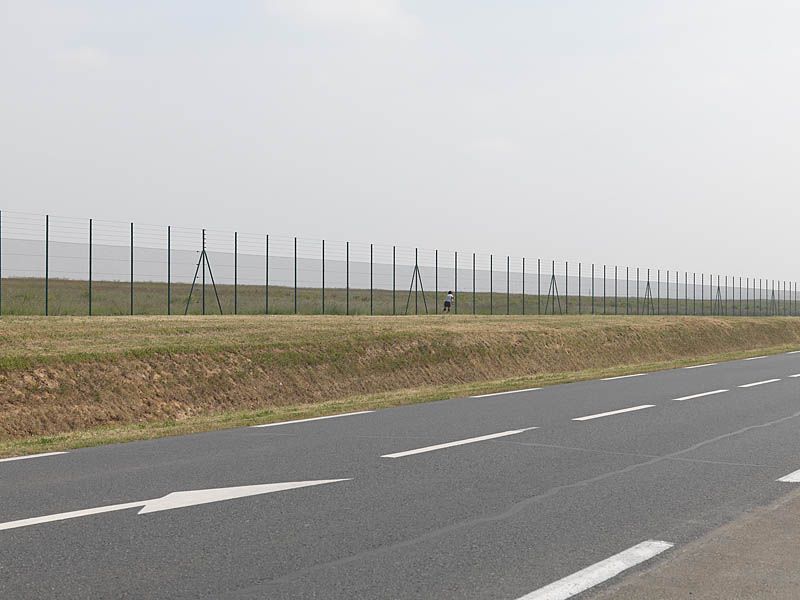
x=70, y=381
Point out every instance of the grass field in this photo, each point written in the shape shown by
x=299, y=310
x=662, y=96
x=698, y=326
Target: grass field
x=26, y=296
x=72, y=381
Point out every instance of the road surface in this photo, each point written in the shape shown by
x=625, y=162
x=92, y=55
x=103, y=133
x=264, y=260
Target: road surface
x=536, y=494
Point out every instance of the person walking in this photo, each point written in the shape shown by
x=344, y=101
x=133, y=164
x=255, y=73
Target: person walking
x=448, y=301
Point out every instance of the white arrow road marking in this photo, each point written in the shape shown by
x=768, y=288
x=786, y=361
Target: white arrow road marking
x=791, y=477
x=693, y=396
x=622, y=377
x=508, y=392
x=173, y=500
x=42, y=455
x=458, y=443
x=614, y=412
x=361, y=412
x=749, y=385
x=589, y=577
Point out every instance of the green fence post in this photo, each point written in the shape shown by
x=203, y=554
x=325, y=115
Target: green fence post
x=266, y=275
x=131, y=268
x=236, y=272
x=508, y=285
x=90, y=267
x=394, y=280
x=539, y=286
x=295, y=275
x=473, y=284
x=371, y=310
x=169, y=270
x=46, y=265
x=523, y=285
x=455, y=282
x=491, y=285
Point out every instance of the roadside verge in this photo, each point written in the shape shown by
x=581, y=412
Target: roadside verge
x=70, y=381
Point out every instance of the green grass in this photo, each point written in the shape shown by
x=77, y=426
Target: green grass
x=26, y=296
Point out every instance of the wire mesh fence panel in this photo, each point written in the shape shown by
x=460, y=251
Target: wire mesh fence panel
x=150, y=292
x=336, y=278
x=112, y=289
x=68, y=266
x=483, y=292
x=359, y=270
x=251, y=274
x=382, y=280
x=65, y=266
x=23, y=264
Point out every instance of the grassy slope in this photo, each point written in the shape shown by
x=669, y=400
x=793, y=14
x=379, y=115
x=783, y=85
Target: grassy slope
x=74, y=381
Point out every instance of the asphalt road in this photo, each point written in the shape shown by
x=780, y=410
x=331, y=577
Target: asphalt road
x=501, y=518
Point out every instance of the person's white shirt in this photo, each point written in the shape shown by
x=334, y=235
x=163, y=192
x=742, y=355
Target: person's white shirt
x=450, y=298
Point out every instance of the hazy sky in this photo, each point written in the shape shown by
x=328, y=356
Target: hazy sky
x=631, y=131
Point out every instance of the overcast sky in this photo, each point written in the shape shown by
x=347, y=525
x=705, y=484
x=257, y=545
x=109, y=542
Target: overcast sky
x=663, y=134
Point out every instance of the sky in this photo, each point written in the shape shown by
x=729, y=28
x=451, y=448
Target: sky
x=653, y=133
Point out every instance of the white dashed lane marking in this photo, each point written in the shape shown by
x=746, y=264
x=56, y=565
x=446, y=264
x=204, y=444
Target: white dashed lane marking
x=614, y=412
x=42, y=455
x=622, y=377
x=754, y=384
x=693, y=396
x=482, y=438
x=361, y=412
x=508, y=392
x=596, y=574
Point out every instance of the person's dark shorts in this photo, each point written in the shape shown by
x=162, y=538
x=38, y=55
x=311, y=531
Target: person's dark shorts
x=447, y=304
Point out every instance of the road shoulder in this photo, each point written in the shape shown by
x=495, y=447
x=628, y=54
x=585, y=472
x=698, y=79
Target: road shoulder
x=756, y=556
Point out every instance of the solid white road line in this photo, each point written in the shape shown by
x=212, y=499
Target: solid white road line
x=755, y=357
x=693, y=396
x=794, y=376
x=43, y=454
x=614, y=412
x=700, y=366
x=791, y=477
x=622, y=377
x=361, y=412
x=747, y=385
x=457, y=443
x=598, y=573
x=508, y=392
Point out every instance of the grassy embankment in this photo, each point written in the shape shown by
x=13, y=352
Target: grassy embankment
x=25, y=296
x=74, y=381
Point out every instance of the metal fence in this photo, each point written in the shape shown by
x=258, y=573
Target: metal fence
x=66, y=266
